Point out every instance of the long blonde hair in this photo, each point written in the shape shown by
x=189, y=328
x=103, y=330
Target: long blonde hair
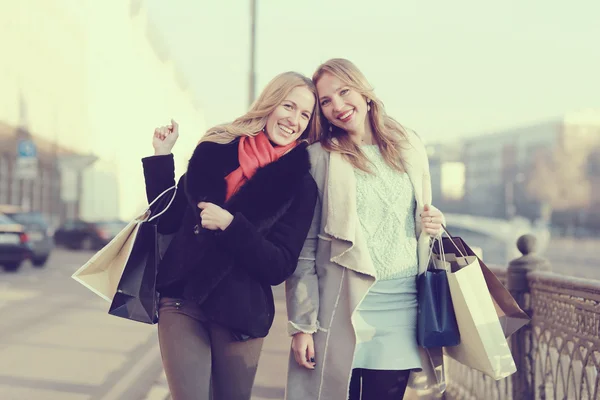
x=251, y=123
x=389, y=135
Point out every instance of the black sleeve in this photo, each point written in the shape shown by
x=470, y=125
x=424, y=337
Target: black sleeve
x=159, y=174
x=272, y=259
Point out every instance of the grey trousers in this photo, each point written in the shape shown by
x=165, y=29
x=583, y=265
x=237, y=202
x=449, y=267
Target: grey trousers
x=201, y=359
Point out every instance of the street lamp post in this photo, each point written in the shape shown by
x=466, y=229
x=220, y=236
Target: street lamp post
x=252, y=52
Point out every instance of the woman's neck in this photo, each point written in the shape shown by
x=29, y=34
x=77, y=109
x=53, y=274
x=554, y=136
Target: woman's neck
x=364, y=136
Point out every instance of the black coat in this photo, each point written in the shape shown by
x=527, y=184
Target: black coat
x=229, y=273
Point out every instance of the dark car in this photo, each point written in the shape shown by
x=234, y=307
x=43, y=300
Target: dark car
x=37, y=230
x=83, y=235
x=14, y=246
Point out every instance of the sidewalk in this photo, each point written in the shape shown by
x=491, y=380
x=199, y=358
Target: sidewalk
x=57, y=341
x=272, y=369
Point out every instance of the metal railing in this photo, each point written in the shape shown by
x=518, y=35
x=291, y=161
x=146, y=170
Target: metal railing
x=558, y=353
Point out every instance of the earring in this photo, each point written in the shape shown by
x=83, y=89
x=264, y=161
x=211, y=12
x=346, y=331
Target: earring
x=330, y=128
x=368, y=105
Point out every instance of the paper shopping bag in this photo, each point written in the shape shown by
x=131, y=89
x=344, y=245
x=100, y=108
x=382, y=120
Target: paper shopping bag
x=483, y=346
x=436, y=321
x=136, y=297
x=511, y=316
x=102, y=273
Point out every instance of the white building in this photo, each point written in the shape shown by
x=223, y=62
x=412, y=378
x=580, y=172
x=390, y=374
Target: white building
x=91, y=77
x=496, y=163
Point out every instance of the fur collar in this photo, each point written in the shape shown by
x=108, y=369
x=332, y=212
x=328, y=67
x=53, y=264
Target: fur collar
x=267, y=191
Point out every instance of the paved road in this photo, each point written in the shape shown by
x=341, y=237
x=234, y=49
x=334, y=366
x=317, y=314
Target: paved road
x=58, y=343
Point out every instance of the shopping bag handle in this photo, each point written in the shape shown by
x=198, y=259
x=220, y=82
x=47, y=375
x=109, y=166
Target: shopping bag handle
x=441, y=250
x=435, y=239
x=452, y=240
x=168, y=205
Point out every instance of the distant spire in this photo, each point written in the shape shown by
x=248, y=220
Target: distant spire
x=23, y=120
x=23, y=123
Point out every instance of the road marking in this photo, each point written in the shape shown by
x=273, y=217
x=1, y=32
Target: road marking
x=7, y=295
x=119, y=389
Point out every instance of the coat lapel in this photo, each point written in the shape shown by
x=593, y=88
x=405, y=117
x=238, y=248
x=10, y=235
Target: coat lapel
x=414, y=159
x=348, y=247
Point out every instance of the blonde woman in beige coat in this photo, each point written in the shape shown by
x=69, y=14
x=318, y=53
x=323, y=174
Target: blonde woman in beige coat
x=352, y=299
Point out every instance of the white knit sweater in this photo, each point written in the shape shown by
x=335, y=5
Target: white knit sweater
x=385, y=204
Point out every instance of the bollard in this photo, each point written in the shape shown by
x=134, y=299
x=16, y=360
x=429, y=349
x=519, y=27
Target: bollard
x=521, y=342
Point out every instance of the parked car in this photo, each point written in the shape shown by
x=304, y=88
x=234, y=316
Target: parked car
x=37, y=230
x=14, y=246
x=83, y=235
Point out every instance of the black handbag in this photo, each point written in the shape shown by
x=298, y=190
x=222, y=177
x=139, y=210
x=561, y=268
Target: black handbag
x=436, y=321
x=136, y=297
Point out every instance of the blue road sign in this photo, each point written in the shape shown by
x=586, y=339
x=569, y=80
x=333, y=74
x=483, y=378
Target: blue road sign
x=26, y=149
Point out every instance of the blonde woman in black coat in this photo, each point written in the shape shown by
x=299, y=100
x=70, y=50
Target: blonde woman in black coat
x=240, y=216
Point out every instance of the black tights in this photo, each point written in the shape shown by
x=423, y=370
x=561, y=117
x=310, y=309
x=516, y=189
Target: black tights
x=378, y=384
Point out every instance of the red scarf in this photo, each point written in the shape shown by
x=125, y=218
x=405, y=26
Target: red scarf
x=254, y=152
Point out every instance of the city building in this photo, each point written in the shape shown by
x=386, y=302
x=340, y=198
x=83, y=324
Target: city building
x=498, y=165
x=488, y=174
x=86, y=82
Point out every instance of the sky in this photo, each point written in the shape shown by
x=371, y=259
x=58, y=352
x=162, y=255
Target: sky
x=445, y=69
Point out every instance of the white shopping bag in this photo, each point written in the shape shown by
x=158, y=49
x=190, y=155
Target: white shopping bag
x=101, y=274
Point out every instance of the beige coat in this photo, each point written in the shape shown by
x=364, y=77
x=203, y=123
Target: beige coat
x=335, y=272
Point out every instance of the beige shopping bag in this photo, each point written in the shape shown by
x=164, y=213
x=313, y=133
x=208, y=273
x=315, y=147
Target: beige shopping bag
x=483, y=346
x=101, y=274
x=512, y=317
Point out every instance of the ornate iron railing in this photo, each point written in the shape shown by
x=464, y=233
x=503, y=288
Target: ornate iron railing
x=565, y=353
x=557, y=354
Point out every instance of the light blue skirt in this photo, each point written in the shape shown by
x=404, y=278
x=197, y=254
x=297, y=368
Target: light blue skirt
x=386, y=327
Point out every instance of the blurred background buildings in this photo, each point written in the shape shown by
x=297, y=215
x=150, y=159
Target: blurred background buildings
x=547, y=172
x=84, y=83
x=80, y=81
